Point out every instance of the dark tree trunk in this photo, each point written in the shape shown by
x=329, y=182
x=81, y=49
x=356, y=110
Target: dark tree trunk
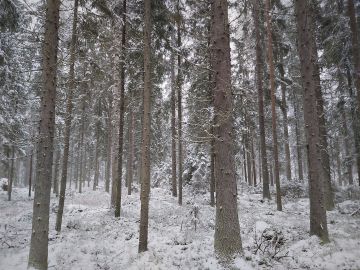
x=122, y=113
x=325, y=159
x=146, y=124
x=298, y=140
x=273, y=109
x=253, y=158
x=56, y=172
x=356, y=131
x=30, y=172
x=285, y=118
x=227, y=240
x=345, y=132
x=212, y=166
x=179, y=103
x=11, y=175
x=173, y=125
x=108, y=149
x=97, y=146
x=259, y=83
x=308, y=54
x=356, y=74
x=40, y=223
x=130, y=161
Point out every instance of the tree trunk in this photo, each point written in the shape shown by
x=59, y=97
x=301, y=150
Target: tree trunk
x=212, y=166
x=68, y=119
x=345, y=133
x=179, y=100
x=338, y=162
x=352, y=109
x=227, y=240
x=40, y=223
x=108, y=150
x=355, y=53
x=298, y=140
x=356, y=74
x=97, y=146
x=82, y=158
x=130, y=161
x=56, y=172
x=245, y=162
x=308, y=54
x=253, y=158
x=173, y=125
x=11, y=175
x=259, y=83
x=285, y=118
x=122, y=113
x=146, y=125
x=273, y=109
x=30, y=172
x=325, y=159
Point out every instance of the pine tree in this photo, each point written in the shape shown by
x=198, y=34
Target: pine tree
x=38, y=255
x=227, y=240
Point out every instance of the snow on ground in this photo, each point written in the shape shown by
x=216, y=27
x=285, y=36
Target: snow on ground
x=92, y=238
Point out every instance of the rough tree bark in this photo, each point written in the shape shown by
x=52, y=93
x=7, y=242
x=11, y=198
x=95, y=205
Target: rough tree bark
x=325, y=159
x=56, y=171
x=30, y=172
x=285, y=117
x=179, y=103
x=173, y=124
x=69, y=106
x=308, y=54
x=345, y=132
x=97, y=147
x=227, y=240
x=273, y=108
x=146, y=124
x=298, y=140
x=259, y=85
x=108, y=148
x=40, y=223
x=356, y=74
x=122, y=112
x=131, y=137
x=11, y=174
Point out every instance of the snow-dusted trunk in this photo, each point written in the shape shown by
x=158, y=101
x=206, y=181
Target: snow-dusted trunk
x=40, y=223
x=345, y=133
x=121, y=114
x=285, y=117
x=56, y=172
x=179, y=103
x=173, y=125
x=146, y=125
x=30, y=172
x=212, y=166
x=325, y=159
x=356, y=74
x=131, y=135
x=259, y=85
x=115, y=115
x=11, y=174
x=273, y=108
x=108, y=149
x=299, y=156
x=97, y=147
x=308, y=55
x=227, y=240
x=253, y=158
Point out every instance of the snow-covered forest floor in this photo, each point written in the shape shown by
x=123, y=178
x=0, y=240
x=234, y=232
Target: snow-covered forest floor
x=92, y=238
